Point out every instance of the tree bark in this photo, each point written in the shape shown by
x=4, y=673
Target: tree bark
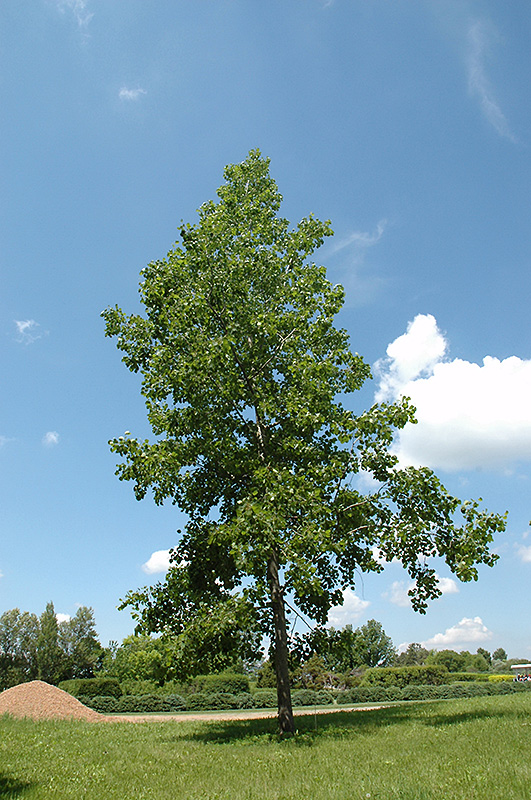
x=285, y=711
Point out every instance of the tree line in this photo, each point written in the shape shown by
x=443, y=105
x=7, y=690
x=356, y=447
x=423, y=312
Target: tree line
x=41, y=648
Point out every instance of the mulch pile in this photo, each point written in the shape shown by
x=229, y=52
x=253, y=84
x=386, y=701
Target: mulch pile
x=39, y=700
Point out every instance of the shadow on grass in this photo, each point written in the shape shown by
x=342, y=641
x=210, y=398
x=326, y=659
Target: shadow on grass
x=312, y=727
x=12, y=787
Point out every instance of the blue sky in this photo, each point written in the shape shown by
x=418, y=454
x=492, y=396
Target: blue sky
x=407, y=124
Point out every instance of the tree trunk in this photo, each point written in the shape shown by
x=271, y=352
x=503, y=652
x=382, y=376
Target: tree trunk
x=285, y=711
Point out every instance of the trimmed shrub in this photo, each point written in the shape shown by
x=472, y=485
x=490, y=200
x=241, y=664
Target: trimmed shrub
x=265, y=698
x=427, y=674
x=92, y=687
x=101, y=703
x=325, y=698
x=467, y=677
x=304, y=697
x=222, y=682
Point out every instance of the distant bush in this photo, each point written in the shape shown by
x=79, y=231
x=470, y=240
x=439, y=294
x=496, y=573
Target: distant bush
x=499, y=678
x=427, y=674
x=304, y=697
x=91, y=687
x=101, y=703
x=468, y=677
x=265, y=698
x=222, y=682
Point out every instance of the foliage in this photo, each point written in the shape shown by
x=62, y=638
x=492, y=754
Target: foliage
x=228, y=682
x=140, y=658
x=347, y=649
x=405, y=676
x=90, y=687
x=78, y=641
x=49, y=654
x=41, y=648
x=19, y=632
x=499, y=655
x=415, y=654
x=242, y=368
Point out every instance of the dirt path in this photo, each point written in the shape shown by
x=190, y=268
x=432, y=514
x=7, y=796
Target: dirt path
x=227, y=716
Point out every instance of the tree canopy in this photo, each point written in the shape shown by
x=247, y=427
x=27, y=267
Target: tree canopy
x=243, y=371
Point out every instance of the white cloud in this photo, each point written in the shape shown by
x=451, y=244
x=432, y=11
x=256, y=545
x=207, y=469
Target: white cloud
x=413, y=354
x=447, y=585
x=361, y=239
x=78, y=9
x=524, y=553
x=352, y=608
x=468, y=631
x=469, y=416
x=27, y=330
x=480, y=37
x=130, y=94
x=50, y=439
x=398, y=593
x=62, y=617
x=159, y=561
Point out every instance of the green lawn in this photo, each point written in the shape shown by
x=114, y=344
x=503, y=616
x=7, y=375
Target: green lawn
x=474, y=749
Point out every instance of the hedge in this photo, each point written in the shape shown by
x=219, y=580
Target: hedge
x=92, y=687
x=267, y=698
x=427, y=674
x=221, y=682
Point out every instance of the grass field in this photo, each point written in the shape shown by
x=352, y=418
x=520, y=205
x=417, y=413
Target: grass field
x=475, y=749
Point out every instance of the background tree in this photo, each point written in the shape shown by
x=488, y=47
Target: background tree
x=242, y=368
x=49, y=654
x=19, y=632
x=79, y=644
x=499, y=654
x=372, y=645
x=414, y=655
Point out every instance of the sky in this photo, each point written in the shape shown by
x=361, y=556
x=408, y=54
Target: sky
x=407, y=124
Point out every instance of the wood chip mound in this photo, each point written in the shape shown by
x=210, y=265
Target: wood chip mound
x=39, y=700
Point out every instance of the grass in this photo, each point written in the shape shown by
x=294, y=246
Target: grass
x=473, y=749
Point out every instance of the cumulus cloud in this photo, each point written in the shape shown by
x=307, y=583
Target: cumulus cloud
x=50, y=439
x=159, y=561
x=130, y=94
x=27, y=330
x=352, y=608
x=62, y=617
x=469, y=631
x=480, y=38
x=398, y=593
x=469, y=415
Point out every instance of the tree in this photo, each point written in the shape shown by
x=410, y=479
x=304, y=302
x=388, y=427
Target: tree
x=414, y=655
x=372, y=645
x=49, y=654
x=78, y=641
x=242, y=369
x=499, y=655
x=451, y=659
x=485, y=654
x=18, y=647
